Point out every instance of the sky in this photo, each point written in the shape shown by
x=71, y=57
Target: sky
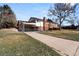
x=24, y=11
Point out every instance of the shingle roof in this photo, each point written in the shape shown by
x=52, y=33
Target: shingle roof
x=34, y=19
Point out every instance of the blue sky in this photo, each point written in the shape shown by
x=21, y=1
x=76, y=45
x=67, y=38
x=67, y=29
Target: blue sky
x=26, y=10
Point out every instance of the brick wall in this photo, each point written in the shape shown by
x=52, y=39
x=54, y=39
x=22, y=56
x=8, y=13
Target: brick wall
x=45, y=24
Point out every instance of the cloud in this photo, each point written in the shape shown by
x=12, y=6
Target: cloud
x=44, y=11
x=72, y=4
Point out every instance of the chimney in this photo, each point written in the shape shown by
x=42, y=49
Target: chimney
x=44, y=23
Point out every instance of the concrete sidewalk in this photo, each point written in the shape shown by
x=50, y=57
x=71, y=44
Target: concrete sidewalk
x=62, y=46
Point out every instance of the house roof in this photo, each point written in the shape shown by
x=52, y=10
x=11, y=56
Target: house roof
x=34, y=19
x=22, y=21
x=49, y=20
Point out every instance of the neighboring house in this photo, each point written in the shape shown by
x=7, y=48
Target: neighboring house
x=36, y=24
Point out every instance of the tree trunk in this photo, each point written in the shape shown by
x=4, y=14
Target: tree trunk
x=60, y=25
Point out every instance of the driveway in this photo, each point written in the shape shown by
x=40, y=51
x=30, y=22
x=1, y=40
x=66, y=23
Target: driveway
x=62, y=46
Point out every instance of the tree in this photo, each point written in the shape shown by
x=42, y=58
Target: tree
x=72, y=19
x=8, y=18
x=78, y=24
x=61, y=11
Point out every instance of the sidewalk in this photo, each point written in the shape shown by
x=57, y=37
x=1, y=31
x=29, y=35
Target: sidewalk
x=62, y=46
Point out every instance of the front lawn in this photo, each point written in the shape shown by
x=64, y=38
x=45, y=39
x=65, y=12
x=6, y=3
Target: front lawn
x=67, y=34
x=19, y=44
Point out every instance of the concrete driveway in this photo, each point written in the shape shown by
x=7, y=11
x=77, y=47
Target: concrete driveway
x=62, y=46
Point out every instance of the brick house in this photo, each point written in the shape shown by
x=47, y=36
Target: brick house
x=36, y=24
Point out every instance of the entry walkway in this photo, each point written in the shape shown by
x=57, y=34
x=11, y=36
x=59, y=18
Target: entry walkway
x=62, y=46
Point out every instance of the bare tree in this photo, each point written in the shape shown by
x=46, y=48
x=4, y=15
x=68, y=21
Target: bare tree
x=78, y=24
x=61, y=11
x=72, y=19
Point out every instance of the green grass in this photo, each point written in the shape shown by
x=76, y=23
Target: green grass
x=67, y=34
x=19, y=44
